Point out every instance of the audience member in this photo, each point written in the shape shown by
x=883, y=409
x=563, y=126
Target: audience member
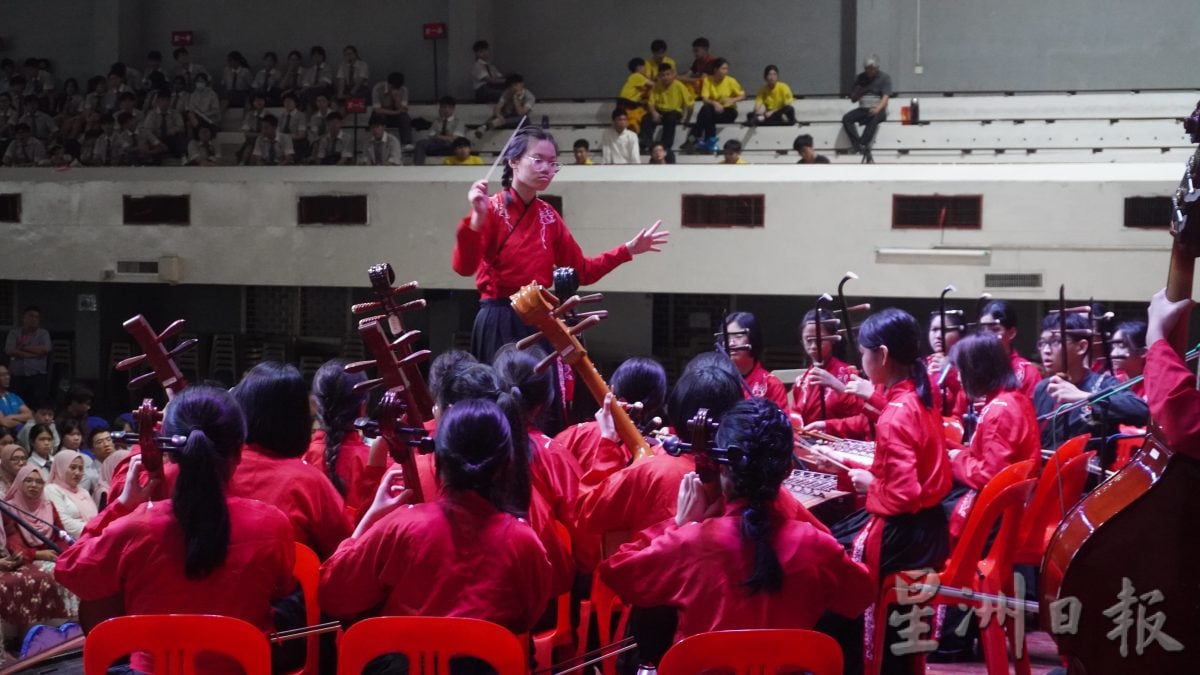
x=106, y=150
x=390, y=104
x=204, y=107
x=290, y=80
x=8, y=117
x=40, y=124
x=59, y=158
x=202, y=151
x=27, y=347
x=658, y=58
x=317, y=79
x=872, y=90
x=517, y=102
x=773, y=103
x=116, y=86
x=12, y=458
x=332, y=147
x=165, y=127
x=70, y=433
x=490, y=83
x=382, y=148
x=153, y=65
x=732, y=152
x=127, y=141
x=13, y=410
x=131, y=77
x=461, y=147
x=127, y=103
x=251, y=122
x=93, y=101
x=236, y=80
x=583, y=152
x=352, y=80
x=619, y=145
x=78, y=405
x=445, y=129
x=8, y=69
x=660, y=155
x=703, y=65
x=190, y=72
x=293, y=124
x=41, y=445
x=266, y=80
x=636, y=90
x=803, y=145
x=25, y=150
x=16, y=89
x=43, y=414
x=272, y=148
x=720, y=95
x=316, y=122
x=74, y=504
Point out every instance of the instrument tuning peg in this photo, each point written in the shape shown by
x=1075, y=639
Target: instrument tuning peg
x=545, y=363
x=141, y=380
x=183, y=346
x=368, y=384
x=600, y=313
x=529, y=341
x=126, y=364
x=406, y=339
x=590, y=298
x=419, y=303
x=359, y=366
x=415, y=358
x=566, y=307
x=172, y=330
x=587, y=323
x=364, y=307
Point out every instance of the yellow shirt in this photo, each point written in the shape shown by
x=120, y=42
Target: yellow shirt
x=587, y=162
x=774, y=99
x=728, y=88
x=652, y=66
x=675, y=98
x=740, y=161
x=635, y=87
x=470, y=161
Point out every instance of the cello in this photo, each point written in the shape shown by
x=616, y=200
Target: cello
x=1118, y=573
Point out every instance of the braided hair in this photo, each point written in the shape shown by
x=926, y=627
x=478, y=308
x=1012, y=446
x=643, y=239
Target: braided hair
x=897, y=330
x=337, y=407
x=762, y=434
x=517, y=148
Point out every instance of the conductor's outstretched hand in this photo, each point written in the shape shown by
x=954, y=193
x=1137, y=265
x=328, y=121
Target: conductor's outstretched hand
x=648, y=239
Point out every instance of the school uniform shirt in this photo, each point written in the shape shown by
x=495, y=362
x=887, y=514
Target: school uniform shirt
x=807, y=399
x=108, y=150
x=719, y=91
x=25, y=153
x=911, y=468
x=353, y=73
x=317, y=75
x=448, y=127
x=139, y=556
x=1028, y=375
x=699, y=567
x=383, y=151
x=251, y=119
x=273, y=149
x=458, y=557
x=163, y=125
x=198, y=151
x=652, y=66
x=42, y=463
x=190, y=72
x=471, y=160
x=762, y=384
x=316, y=123
x=620, y=148
x=333, y=146
x=509, y=101
x=635, y=87
x=144, y=83
x=205, y=105
x=180, y=101
x=1007, y=433
x=518, y=244
x=597, y=456
x=266, y=80
x=383, y=96
x=676, y=98
x=1100, y=417
x=238, y=78
x=292, y=122
x=482, y=71
x=43, y=125
x=774, y=98
x=359, y=481
x=302, y=492
x=1173, y=399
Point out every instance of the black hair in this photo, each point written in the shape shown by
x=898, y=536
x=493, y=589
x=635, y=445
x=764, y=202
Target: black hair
x=269, y=118
x=200, y=76
x=768, y=69
x=635, y=63
x=274, y=399
x=954, y=320
x=7, y=63
x=475, y=451
x=460, y=142
x=747, y=321
x=718, y=62
x=732, y=145
x=641, y=380
x=984, y=365
x=338, y=405
x=119, y=69
x=79, y=393
x=897, y=330
x=442, y=367
x=23, y=127
x=480, y=45
x=179, y=51
x=619, y=112
x=1002, y=311
x=658, y=45
x=96, y=430
x=287, y=96
x=1135, y=333
x=763, y=434
x=523, y=390
x=513, y=78
x=296, y=53
x=126, y=96
x=39, y=429
x=700, y=42
x=17, y=79
x=237, y=58
x=107, y=118
x=465, y=381
x=154, y=55
x=335, y=115
x=447, y=100
x=395, y=79
x=1078, y=327
x=317, y=49
x=827, y=318
x=5, y=432
x=376, y=120
x=519, y=145
x=271, y=55
x=665, y=68
x=582, y=143
x=351, y=48
x=703, y=386
x=215, y=430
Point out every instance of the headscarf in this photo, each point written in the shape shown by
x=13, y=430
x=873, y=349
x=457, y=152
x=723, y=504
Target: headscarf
x=6, y=454
x=59, y=466
x=42, y=508
x=107, y=468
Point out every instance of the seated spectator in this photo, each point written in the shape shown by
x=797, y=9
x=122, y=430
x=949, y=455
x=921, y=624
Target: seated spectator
x=68, y=104
x=127, y=141
x=333, y=148
x=272, y=148
x=236, y=80
x=190, y=72
x=41, y=81
x=77, y=406
x=352, y=79
x=28, y=494
x=803, y=145
x=316, y=122
x=660, y=155
x=58, y=158
x=292, y=123
x=16, y=89
x=703, y=65
x=116, y=86
x=107, y=468
x=266, y=80
x=8, y=69
x=131, y=76
x=202, y=151
x=872, y=90
x=165, y=127
x=583, y=152
x=290, y=79
x=203, y=105
x=732, y=152
x=13, y=410
x=93, y=101
x=25, y=150
x=618, y=144
x=70, y=434
x=127, y=103
x=12, y=458
x=636, y=90
x=773, y=103
x=720, y=94
x=390, y=104
x=317, y=79
x=658, y=58
x=41, y=124
x=74, y=504
x=179, y=95
x=462, y=156
x=445, y=129
x=517, y=102
x=382, y=148
x=490, y=83
x=251, y=121
x=8, y=117
x=41, y=445
x=153, y=65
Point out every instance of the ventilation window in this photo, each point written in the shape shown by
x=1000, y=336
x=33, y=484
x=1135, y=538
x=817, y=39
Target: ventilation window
x=10, y=208
x=1151, y=212
x=332, y=210
x=555, y=202
x=723, y=210
x=137, y=267
x=158, y=210
x=1012, y=280
x=961, y=212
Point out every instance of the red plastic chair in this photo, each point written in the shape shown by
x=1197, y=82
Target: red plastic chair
x=1001, y=500
x=429, y=643
x=308, y=572
x=605, y=603
x=1058, y=490
x=562, y=634
x=174, y=640
x=754, y=651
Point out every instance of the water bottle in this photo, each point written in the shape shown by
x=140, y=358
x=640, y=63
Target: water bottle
x=914, y=112
x=647, y=669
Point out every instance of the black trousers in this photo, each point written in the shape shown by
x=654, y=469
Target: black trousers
x=708, y=118
x=785, y=116
x=863, y=116
x=497, y=324
x=670, y=120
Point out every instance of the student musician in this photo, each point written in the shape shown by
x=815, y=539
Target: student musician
x=737, y=561
x=337, y=448
x=1000, y=319
x=903, y=525
x=1170, y=383
x=189, y=555
x=947, y=388
x=826, y=380
x=742, y=339
x=1129, y=353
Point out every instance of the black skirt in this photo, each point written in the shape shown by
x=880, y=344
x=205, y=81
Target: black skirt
x=496, y=324
x=911, y=541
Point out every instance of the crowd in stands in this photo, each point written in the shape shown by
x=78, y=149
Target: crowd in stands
x=296, y=111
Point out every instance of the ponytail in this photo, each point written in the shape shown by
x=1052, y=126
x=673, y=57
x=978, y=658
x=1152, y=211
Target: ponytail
x=475, y=451
x=756, y=528
x=920, y=378
x=898, y=331
x=337, y=407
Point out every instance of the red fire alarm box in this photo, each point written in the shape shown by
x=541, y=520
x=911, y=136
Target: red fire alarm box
x=356, y=105
x=434, y=31
x=181, y=38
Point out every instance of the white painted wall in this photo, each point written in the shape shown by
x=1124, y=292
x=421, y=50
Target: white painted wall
x=1064, y=221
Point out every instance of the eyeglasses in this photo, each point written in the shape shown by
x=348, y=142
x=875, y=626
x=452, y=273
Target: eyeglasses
x=539, y=163
x=1053, y=344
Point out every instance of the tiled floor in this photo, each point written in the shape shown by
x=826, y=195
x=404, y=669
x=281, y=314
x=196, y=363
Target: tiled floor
x=1043, y=655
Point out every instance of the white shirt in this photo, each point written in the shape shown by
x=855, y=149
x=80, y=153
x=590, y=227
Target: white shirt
x=72, y=520
x=382, y=152
x=620, y=148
